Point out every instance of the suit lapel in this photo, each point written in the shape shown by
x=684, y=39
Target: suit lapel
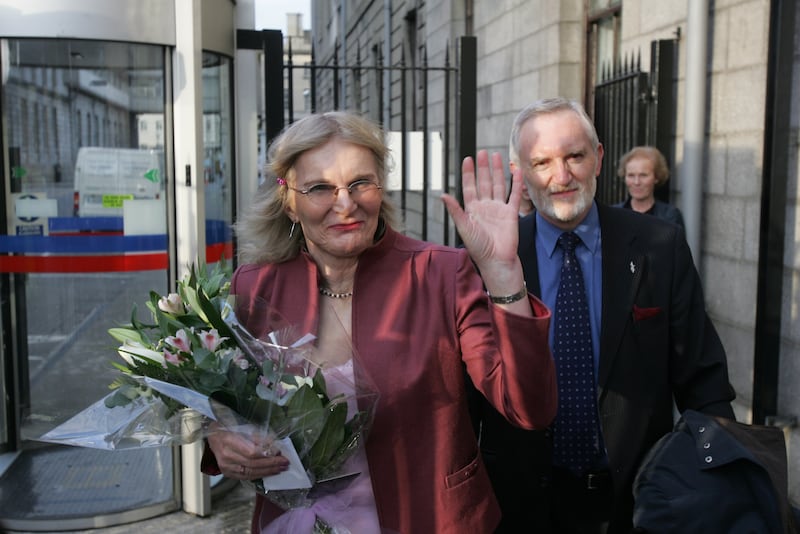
x=623, y=268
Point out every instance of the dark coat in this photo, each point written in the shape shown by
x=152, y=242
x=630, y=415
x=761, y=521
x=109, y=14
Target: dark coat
x=662, y=210
x=656, y=341
x=714, y=475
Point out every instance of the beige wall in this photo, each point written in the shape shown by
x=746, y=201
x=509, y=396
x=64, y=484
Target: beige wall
x=526, y=50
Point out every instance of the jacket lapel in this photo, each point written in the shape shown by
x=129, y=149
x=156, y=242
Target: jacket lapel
x=623, y=268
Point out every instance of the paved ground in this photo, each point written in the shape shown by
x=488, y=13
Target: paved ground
x=231, y=515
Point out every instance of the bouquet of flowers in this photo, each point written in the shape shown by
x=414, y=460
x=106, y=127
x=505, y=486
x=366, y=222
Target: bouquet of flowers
x=195, y=364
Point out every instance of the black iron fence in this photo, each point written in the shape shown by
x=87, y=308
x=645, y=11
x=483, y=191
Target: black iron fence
x=429, y=112
x=633, y=108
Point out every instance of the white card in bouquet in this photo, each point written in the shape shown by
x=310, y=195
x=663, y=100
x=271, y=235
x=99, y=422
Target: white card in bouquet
x=293, y=478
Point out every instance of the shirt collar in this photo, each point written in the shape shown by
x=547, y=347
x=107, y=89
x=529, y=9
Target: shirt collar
x=588, y=231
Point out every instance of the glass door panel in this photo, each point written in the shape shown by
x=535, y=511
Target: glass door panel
x=218, y=156
x=85, y=238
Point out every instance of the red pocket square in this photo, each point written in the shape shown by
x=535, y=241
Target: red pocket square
x=640, y=314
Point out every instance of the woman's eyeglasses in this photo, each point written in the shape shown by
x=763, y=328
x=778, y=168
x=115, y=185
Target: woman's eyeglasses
x=325, y=194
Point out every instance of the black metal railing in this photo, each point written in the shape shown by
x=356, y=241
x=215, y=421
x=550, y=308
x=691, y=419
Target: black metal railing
x=620, y=108
x=633, y=108
x=423, y=142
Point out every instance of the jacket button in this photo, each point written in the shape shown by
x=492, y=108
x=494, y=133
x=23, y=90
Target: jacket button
x=706, y=445
x=709, y=459
x=701, y=429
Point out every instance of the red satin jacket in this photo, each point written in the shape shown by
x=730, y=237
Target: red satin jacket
x=420, y=316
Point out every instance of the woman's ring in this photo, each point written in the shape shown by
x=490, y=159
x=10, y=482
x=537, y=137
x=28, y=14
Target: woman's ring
x=242, y=469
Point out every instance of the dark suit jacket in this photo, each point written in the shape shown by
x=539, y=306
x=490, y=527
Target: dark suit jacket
x=656, y=341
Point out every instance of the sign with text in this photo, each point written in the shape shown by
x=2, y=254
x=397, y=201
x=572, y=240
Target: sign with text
x=31, y=212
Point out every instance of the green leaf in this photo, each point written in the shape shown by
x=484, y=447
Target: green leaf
x=125, y=334
x=203, y=357
x=120, y=367
x=320, y=386
x=306, y=414
x=136, y=323
x=354, y=435
x=210, y=381
x=330, y=438
x=118, y=398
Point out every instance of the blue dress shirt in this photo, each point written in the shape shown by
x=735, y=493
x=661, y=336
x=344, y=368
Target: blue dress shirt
x=589, y=254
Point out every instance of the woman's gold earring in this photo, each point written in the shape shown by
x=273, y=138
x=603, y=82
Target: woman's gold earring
x=291, y=230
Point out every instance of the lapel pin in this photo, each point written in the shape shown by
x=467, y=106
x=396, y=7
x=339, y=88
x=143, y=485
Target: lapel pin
x=633, y=268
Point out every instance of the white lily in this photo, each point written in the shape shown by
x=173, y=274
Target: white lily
x=211, y=339
x=172, y=303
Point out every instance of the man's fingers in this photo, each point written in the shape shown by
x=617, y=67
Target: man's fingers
x=468, y=179
x=498, y=177
x=483, y=175
x=483, y=178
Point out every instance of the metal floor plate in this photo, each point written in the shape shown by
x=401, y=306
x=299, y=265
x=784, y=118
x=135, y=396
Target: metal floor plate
x=83, y=487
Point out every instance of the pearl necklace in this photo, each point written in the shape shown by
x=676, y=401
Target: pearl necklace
x=329, y=293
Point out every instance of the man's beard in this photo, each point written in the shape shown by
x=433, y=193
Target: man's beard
x=564, y=212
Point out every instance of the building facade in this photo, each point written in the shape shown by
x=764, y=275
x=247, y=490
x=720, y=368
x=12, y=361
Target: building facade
x=735, y=166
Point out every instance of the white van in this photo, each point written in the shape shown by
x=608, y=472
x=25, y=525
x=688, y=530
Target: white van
x=106, y=177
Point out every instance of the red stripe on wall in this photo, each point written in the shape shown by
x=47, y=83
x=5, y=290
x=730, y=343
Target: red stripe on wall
x=99, y=264
x=83, y=264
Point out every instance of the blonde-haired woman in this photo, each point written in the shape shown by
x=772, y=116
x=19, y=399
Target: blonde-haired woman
x=644, y=168
x=319, y=247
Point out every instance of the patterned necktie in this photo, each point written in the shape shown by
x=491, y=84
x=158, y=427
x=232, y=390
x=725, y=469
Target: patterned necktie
x=576, y=438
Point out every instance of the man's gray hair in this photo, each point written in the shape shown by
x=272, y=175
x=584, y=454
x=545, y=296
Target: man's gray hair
x=544, y=107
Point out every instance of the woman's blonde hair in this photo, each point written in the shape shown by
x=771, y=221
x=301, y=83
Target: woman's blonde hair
x=660, y=168
x=263, y=230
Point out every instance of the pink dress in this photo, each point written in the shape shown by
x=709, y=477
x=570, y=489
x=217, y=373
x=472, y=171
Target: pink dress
x=352, y=509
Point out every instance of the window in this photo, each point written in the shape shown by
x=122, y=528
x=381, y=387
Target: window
x=602, y=44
